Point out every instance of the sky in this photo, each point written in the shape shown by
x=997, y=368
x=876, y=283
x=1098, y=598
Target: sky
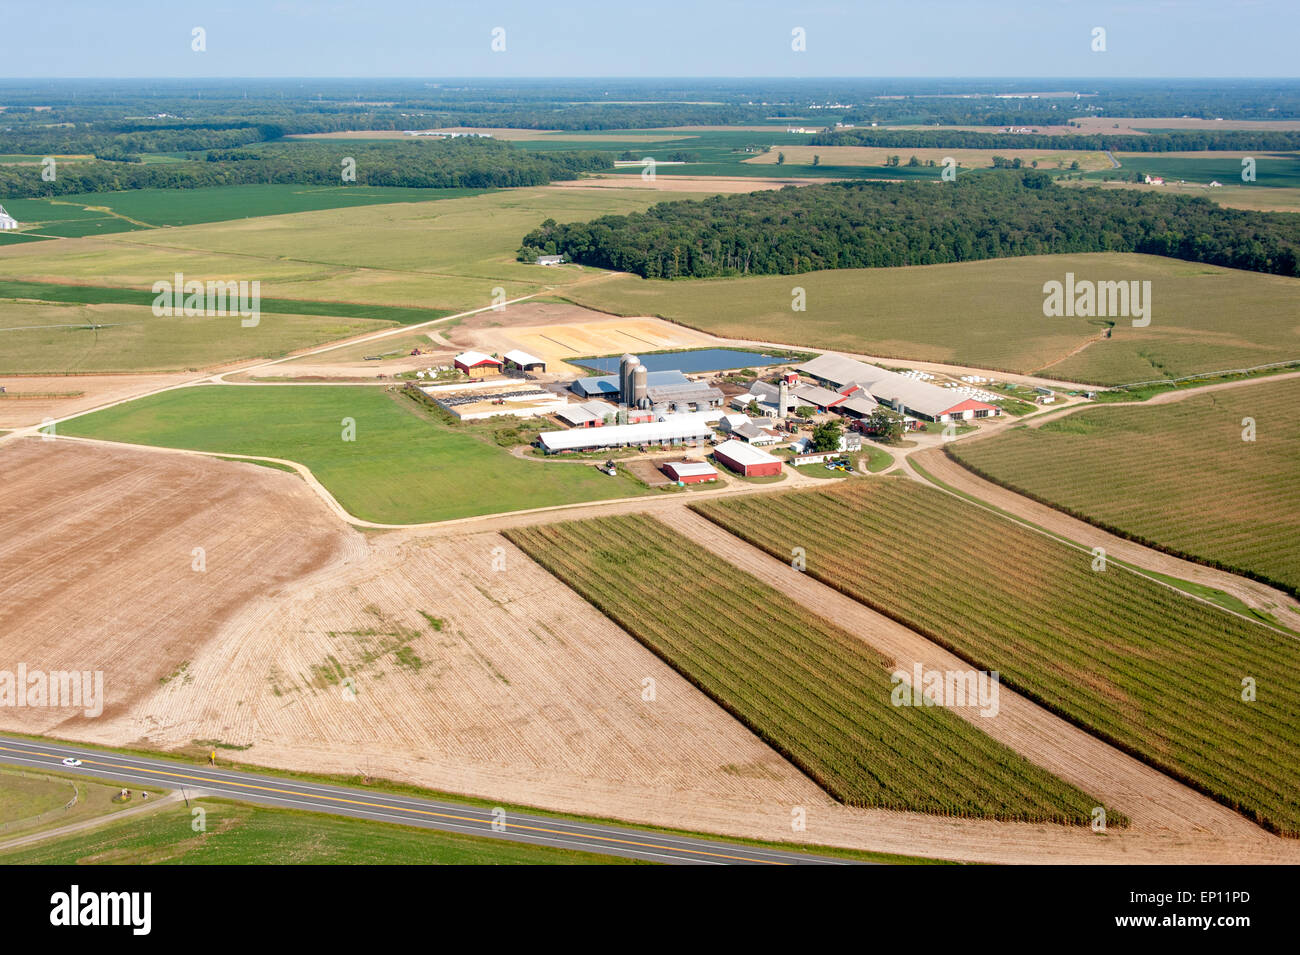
x=631, y=38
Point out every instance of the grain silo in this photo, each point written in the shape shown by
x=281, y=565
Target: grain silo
x=640, y=396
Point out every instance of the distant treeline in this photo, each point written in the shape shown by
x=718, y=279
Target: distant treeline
x=871, y=224
x=434, y=164
x=1178, y=141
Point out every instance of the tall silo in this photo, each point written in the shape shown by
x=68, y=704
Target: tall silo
x=625, y=366
x=640, y=388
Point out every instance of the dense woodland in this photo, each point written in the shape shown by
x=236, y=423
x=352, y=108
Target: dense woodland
x=429, y=164
x=877, y=224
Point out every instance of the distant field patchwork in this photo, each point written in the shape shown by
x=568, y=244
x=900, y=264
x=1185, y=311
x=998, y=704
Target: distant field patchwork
x=1178, y=477
x=818, y=695
x=427, y=251
x=990, y=314
x=102, y=213
x=1134, y=662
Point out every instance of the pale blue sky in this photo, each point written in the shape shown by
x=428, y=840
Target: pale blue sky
x=407, y=38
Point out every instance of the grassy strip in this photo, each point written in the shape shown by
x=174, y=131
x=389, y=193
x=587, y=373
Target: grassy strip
x=241, y=834
x=101, y=295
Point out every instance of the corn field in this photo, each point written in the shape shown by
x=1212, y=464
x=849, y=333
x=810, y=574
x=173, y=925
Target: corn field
x=816, y=694
x=1179, y=477
x=1139, y=665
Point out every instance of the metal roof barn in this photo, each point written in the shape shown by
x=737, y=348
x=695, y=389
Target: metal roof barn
x=747, y=460
x=674, y=429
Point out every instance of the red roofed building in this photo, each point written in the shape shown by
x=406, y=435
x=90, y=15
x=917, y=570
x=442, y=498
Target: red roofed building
x=477, y=363
x=970, y=408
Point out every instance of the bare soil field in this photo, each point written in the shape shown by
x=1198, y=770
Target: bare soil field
x=30, y=399
x=556, y=331
x=97, y=561
x=420, y=662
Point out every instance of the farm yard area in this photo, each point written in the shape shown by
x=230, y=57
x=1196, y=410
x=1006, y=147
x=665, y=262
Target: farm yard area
x=1157, y=675
x=1194, y=477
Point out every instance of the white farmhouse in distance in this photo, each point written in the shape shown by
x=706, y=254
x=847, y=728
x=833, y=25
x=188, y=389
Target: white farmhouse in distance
x=7, y=221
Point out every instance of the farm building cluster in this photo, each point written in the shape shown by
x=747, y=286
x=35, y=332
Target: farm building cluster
x=639, y=408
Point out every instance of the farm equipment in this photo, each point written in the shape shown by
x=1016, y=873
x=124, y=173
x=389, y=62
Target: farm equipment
x=608, y=468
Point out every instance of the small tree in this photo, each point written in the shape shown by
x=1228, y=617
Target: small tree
x=885, y=424
x=780, y=159
x=817, y=160
x=753, y=408
x=826, y=436
x=805, y=412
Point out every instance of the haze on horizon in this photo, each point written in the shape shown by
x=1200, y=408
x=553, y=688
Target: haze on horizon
x=722, y=39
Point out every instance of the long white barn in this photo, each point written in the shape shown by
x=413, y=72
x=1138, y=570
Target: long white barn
x=674, y=429
x=906, y=395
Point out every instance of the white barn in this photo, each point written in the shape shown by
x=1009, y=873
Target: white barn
x=7, y=221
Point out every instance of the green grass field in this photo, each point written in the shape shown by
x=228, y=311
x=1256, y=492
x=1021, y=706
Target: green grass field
x=1271, y=169
x=98, y=213
x=1135, y=663
x=118, y=338
x=1178, y=476
x=990, y=314
x=100, y=295
x=34, y=801
x=818, y=695
x=451, y=253
x=403, y=467
x=239, y=834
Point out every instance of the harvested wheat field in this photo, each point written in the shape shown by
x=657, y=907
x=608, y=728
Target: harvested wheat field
x=97, y=561
x=557, y=331
x=31, y=399
x=422, y=663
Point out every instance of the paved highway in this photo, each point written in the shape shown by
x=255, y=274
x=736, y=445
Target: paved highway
x=407, y=810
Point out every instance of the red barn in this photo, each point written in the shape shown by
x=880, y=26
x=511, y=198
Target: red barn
x=690, y=472
x=476, y=363
x=746, y=459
